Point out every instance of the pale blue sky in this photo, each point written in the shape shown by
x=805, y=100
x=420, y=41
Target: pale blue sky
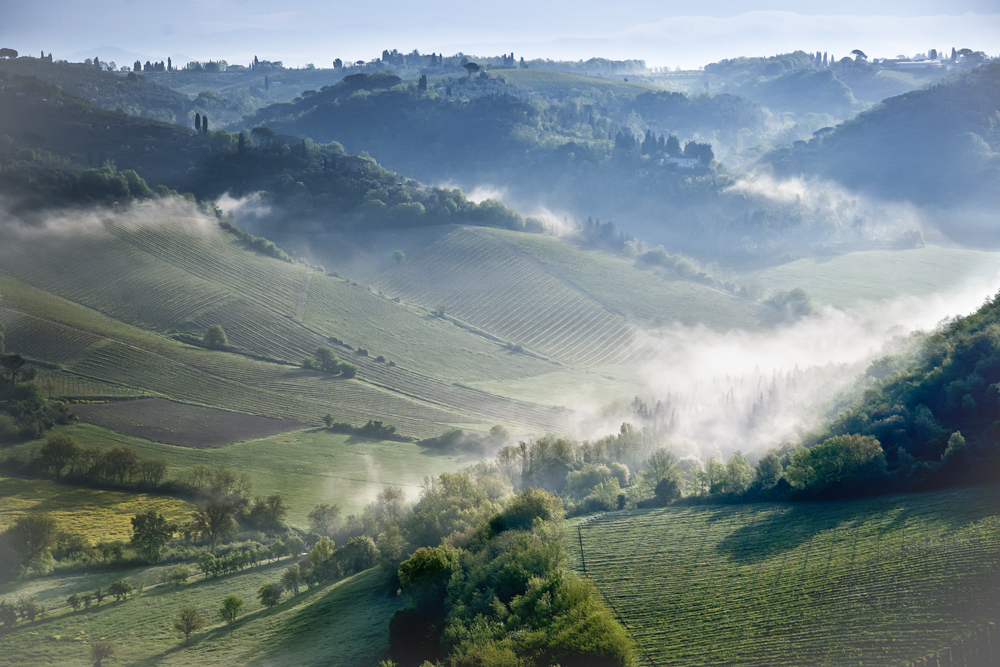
x=671, y=34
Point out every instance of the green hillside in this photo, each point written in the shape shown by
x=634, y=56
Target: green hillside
x=307, y=467
x=103, y=303
x=873, y=582
x=874, y=275
x=344, y=623
x=552, y=298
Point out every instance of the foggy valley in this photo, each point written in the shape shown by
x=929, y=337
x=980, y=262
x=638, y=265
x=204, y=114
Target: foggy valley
x=553, y=352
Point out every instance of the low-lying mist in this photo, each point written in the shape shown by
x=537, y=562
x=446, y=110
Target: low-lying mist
x=710, y=393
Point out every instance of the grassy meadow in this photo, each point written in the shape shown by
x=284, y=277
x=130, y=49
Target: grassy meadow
x=306, y=467
x=343, y=623
x=96, y=514
x=876, y=581
x=875, y=275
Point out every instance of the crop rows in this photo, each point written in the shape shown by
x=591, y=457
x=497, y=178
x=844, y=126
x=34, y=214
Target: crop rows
x=39, y=338
x=212, y=255
x=238, y=384
x=482, y=281
x=429, y=345
x=875, y=582
x=113, y=278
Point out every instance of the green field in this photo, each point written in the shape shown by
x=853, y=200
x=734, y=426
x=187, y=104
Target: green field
x=306, y=467
x=618, y=285
x=560, y=84
x=482, y=281
x=876, y=582
x=874, y=275
x=344, y=623
x=95, y=514
x=101, y=305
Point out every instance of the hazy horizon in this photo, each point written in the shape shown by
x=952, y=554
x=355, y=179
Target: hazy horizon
x=663, y=35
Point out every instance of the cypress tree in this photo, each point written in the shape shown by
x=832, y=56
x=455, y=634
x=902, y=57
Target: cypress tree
x=197, y=122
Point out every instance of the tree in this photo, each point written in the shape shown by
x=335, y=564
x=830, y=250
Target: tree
x=8, y=614
x=471, y=67
x=74, y=601
x=208, y=563
x=230, y=609
x=8, y=53
x=188, y=620
x=768, y=470
x=214, y=518
x=659, y=466
x=269, y=512
x=204, y=124
x=348, y=371
x=859, y=55
x=270, y=594
x=101, y=649
x=99, y=595
x=291, y=578
x=197, y=122
x=150, y=533
x=120, y=463
x=739, y=474
x=58, y=451
x=398, y=256
x=846, y=463
x=422, y=83
x=326, y=360
x=328, y=420
x=323, y=519
x=30, y=535
x=215, y=336
x=120, y=589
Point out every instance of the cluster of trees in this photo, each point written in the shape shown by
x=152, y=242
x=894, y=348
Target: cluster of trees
x=325, y=359
x=62, y=457
x=375, y=429
x=24, y=411
x=493, y=589
x=24, y=610
x=937, y=417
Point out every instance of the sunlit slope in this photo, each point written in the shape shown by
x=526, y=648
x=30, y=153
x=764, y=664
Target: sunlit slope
x=560, y=84
x=640, y=295
x=481, y=280
x=101, y=299
x=875, y=275
x=131, y=358
x=570, y=305
x=345, y=623
x=877, y=582
x=307, y=467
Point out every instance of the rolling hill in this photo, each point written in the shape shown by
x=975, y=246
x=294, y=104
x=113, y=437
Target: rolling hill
x=103, y=304
x=876, y=582
x=935, y=147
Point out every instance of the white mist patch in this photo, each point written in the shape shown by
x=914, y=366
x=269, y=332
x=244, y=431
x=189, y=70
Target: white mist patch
x=72, y=222
x=481, y=193
x=842, y=213
x=250, y=207
x=716, y=392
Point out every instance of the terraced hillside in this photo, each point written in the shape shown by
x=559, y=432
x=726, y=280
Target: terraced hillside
x=567, y=304
x=100, y=301
x=876, y=582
